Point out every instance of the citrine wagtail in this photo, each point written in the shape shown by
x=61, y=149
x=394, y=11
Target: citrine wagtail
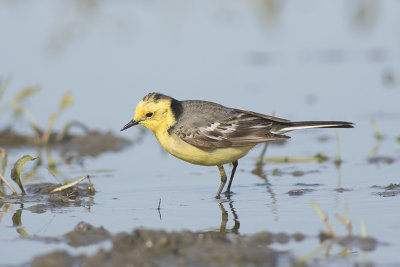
x=209, y=134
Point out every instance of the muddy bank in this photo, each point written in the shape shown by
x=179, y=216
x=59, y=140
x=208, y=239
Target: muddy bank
x=159, y=248
x=143, y=247
x=91, y=143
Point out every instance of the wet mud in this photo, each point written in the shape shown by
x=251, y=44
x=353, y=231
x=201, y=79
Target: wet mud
x=91, y=143
x=381, y=160
x=143, y=247
x=391, y=190
x=159, y=248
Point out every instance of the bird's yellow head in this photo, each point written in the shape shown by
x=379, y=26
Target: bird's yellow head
x=156, y=112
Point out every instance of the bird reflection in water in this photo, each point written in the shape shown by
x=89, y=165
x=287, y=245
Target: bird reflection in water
x=225, y=216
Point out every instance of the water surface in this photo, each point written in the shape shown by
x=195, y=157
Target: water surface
x=303, y=61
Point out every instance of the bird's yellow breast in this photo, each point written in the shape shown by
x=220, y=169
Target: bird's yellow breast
x=187, y=152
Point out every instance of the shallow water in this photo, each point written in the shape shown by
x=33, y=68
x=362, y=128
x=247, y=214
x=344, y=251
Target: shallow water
x=308, y=61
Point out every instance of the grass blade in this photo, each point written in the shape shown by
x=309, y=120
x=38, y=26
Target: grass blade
x=363, y=229
x=26, y=93
x=65, y=102
x=324, y=218
x=20, y=109
x=321, y=214
x=4, y=86
x=3, y=154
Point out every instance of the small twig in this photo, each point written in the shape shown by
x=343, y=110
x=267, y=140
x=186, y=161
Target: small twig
x=63, y=187
x=338, y=160
x=9, y=186
x=159, y=208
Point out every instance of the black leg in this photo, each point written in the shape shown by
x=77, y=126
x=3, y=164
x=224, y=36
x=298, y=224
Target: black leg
x=235, y=164
x=223, y=180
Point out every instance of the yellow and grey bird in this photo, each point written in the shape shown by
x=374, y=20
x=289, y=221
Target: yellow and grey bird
x=209, y=134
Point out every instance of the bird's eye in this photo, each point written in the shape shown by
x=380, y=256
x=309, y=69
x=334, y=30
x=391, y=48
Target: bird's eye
x=149, y=114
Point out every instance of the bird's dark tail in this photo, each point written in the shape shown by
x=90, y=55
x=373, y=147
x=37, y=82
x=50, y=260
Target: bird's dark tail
x=290, y=126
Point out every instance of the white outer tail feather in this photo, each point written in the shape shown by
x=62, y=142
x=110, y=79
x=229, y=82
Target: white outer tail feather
x=311, y=124
x=292, y=128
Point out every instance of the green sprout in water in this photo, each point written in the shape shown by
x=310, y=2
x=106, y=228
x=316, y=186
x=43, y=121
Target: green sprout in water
x=363, y=242
x=345, y=220
x=3, y=154
x=377, y=132
x=16, y=170
x=324, y=217
x=19, y=109
x=66, y=101
x=4, y=86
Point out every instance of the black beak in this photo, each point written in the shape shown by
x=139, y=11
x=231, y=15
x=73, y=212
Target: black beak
x=129, y=125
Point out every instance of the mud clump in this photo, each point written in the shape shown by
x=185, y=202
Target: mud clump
x=73, y=195
x=364, y=243
x=299, y=192
x=267, y=238
x=86, y=234
x=38, y=208
x=43, y=199
x=391, y=190
x=341, y=190
x=298, y=173
x=381, y=159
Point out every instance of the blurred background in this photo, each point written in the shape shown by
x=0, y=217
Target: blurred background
x=305, y=60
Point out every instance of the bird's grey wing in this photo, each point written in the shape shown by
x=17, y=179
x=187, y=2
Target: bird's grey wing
x=221, y=127
x=267, y=117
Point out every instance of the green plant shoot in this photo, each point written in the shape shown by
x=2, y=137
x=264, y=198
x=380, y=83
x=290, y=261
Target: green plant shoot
x=26, y=93
x=16, y=170
x=66, y=101
x=3, y=154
